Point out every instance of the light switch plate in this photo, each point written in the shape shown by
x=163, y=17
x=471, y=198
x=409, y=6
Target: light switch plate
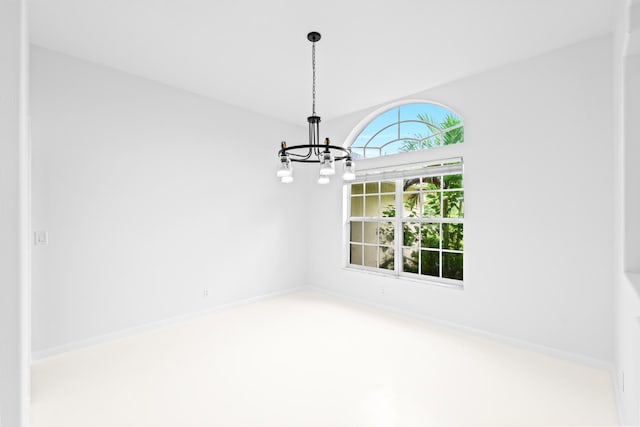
x=41, y=238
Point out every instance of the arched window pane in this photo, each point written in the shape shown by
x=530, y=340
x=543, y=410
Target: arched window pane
x=410, y=127
x=385, y=135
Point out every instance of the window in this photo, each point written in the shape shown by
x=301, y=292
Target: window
x=409, y=127
x=372, y=229
x=412, y=225
x=405, y=214
x=432, y=226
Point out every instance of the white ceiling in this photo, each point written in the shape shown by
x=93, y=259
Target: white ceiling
x=255, y=54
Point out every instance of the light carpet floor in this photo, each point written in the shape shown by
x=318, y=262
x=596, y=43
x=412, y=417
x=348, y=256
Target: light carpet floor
x=306, y=359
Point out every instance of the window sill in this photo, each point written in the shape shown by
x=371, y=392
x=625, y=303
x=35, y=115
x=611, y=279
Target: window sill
x=449, y=285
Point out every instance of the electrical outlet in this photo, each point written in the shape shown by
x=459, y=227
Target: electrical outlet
x=205, y=292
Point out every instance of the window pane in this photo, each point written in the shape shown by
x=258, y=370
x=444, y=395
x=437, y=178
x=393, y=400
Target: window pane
x=410, y=232
x=431, y=183
x=371, y=232
x=388, y=205
x=386, y=233
x=386, y=135
x=431, y=205
x=371, y=187
x=371, y=152
x=453, y=181
x=357, y=205
x=401, y=146
x=452, y=237
x=356, y=255
x=454, y=136
x=356, y=231
x=411, y=205
x=381, y=121
x=360, y=141
x=388, y=187
x=414, y=129
x=372, y=206
x=452, y=265
x=430, y=235
x=453, y=202
x=357, y=153
x=386, y=257
x=411, y=184
x=357, y=188
x=371, y=256
x=430, y=263
x=410, y=260
x=430, y=141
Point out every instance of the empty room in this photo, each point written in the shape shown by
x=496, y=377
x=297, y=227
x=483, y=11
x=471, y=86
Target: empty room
x=356, y=213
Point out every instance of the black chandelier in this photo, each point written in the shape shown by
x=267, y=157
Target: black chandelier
x=325, y=154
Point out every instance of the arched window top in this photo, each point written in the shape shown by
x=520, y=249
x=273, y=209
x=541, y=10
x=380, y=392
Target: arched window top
x=408, y=127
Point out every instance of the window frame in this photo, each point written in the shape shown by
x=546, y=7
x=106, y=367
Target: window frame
x=398, y=223
x=401, y=161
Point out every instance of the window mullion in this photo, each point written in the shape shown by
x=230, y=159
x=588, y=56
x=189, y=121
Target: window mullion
x=421, y=217
x=398, y=227
x=440, y=257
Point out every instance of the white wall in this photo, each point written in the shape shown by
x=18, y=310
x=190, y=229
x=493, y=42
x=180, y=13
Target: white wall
x=539, y=207
x=632, y=159
x=626, y=85
x=151, y=195
x=14, y=329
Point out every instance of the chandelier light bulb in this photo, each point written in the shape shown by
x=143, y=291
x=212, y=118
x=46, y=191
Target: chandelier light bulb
x=349, y=170
x=285, y=167
x=327, y=166
x=287, y=179
x=323, y=179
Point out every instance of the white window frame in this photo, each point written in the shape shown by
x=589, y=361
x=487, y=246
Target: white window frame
x=385, y=166
x=398, y=174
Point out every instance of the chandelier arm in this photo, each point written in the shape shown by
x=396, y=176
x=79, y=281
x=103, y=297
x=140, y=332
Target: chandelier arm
x=293, y=154
x=295, y=157
x=302, y=157
x=316, y=129
x=284, y=152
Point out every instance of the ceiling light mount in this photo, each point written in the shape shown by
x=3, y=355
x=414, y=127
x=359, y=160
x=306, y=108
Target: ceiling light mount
x=314, y=152
x=313, y=36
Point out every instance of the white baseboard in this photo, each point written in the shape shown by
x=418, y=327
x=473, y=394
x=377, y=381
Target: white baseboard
x=549, y=351
x=76, y=345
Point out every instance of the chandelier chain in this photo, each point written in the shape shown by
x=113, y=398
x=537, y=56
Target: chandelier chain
x=313, y=64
